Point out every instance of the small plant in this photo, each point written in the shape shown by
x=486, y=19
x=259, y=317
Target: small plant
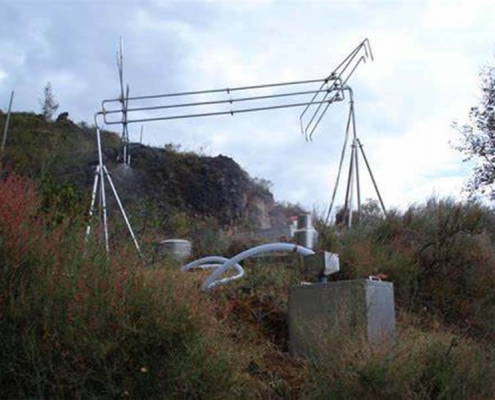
x=48, y=103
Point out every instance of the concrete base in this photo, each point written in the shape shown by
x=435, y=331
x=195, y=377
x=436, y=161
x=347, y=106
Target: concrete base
x=324, y=314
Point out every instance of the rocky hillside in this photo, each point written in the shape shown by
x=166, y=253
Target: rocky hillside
x=160, y=180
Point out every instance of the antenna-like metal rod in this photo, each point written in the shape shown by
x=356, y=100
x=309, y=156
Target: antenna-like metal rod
x=335, y=97
x=337, y=76
x=125, y=129
x=6, y=127
x=124, y=102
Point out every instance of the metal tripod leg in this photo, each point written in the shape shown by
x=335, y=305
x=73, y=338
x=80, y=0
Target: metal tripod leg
x=102, y=191
x=342, y=155
x=372, y=177
x=356, y=161
x=122, y=211
x=350, y=186
x=93, y=202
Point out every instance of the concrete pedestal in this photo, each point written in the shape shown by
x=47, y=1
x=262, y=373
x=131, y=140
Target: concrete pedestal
x=321, y=315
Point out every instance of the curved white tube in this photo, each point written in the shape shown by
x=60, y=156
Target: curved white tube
x=208, y=266
x=212, y=262
x=213, y=280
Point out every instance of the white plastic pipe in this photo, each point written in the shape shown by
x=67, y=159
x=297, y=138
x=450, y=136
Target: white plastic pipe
x=213, y=280
x=213, y=262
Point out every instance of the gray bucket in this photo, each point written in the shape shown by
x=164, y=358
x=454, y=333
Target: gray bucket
x=178, y=249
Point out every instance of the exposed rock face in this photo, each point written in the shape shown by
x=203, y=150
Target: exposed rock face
x=160, y=178
x=214, y=186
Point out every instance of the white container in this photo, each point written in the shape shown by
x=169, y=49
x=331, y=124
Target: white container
x=178, y=249
x=305, y=235
x=304, y=221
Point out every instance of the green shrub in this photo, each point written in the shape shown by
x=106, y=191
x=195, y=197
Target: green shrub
x=421, y=365
x=74, y=326
x=438, y=255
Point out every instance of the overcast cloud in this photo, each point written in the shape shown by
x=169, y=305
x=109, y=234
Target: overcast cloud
x=428, y=55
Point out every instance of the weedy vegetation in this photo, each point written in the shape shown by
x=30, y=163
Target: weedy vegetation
x=75, y=323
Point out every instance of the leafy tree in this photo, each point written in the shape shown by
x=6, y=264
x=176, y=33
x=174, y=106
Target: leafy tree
x=478, y=137
x=48, y=104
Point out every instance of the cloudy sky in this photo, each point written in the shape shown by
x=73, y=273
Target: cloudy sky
x=428, y=55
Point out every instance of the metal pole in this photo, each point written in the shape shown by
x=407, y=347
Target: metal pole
x=124, y=102
x=121, y=207
x=352, y=174
x=125, y=130
x=358, y=185
x=6, y=128
x=342, y=156
x=372, y=177
x=348, y=192
x=93, y=201
x=102, y=190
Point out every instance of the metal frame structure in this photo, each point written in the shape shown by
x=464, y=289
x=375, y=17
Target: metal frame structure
x=272, y=96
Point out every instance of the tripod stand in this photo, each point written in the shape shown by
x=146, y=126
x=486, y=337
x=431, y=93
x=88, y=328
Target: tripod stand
x=353, y=182
x=101, y=172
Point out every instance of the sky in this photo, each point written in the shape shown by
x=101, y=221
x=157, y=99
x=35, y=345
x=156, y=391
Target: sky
x=427, y=59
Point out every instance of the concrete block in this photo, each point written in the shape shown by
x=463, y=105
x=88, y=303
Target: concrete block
x=326, y=313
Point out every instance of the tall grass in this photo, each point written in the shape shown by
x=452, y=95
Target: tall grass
x=74, y=326
x=432, y=364
x=77, y=324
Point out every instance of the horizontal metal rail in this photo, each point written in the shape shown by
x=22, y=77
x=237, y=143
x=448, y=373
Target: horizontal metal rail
x=226, y=90
x=210, y=114
x=216, y=102
x=331, y=89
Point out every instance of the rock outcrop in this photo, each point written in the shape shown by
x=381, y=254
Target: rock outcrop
x=164, y=179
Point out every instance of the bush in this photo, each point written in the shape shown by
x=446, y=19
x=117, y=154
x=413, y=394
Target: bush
x=74, y=326
x=422, y=365
x=438, y=255
x=77, y=324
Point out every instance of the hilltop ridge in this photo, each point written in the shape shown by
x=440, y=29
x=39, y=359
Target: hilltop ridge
x=160, y=181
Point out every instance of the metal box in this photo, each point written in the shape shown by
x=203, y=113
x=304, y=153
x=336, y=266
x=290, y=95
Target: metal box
x=322, y=315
